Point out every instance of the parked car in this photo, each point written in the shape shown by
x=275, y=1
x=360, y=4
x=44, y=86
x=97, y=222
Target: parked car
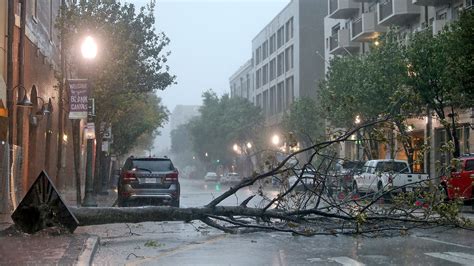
x=211, y=177
x=380, y=175
x=231, y=178
x=459, y=185
x=148, y=181
x=344, y=173
x=307, y=181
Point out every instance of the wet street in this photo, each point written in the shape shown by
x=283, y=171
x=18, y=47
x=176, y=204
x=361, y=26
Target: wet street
x=177, y=243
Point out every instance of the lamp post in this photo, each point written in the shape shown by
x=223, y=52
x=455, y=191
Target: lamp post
x=89, y=52
x=357, y=122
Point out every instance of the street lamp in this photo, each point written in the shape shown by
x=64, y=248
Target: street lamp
x=89, y=52
x=276, y=140
x=357, y=122
x=249, y=145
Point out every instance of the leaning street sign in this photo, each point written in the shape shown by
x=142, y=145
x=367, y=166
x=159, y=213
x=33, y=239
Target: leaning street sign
x=78, y=98
x=43, y=207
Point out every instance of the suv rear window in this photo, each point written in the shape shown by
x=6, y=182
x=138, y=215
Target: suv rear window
x=154, y=165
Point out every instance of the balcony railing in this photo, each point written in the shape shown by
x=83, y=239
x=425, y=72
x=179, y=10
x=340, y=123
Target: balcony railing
x=340, y=43
x=397, y=12
x=333, y=6
x=356, y=27
x=366, y=28
x=342, y=9
x=386, y=9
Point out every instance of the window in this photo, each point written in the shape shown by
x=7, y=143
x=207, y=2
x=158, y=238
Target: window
x=259, y=100
x=280, y=64
x=273, y=69
x=258, y=78
x=272, y=44
x=469, y=165
x=265, y=74
x=290, y=93
x=265, y=50
x=265, y=102
x=258, y=55
x=289, y=30
x=280, y=90
x=248, y=85
x=280, y=36
x=289, y=58
x=273, y=100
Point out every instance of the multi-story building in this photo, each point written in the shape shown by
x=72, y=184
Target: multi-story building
x=39, y=133
x=242, y=83
x=286, y=60
x=353, y=26
x=182, y=114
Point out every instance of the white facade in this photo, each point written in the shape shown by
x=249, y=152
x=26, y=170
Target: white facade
x=242, y=82
x=286, y=61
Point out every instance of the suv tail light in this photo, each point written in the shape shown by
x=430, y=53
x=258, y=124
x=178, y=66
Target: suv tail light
x=172, y=177
x=129, y=176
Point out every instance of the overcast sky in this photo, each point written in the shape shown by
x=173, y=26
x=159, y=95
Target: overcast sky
x=210, y=40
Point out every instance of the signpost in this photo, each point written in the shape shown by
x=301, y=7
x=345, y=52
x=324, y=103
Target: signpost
x=78, y=98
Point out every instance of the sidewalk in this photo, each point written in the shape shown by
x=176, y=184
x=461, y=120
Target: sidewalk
x=49, y=246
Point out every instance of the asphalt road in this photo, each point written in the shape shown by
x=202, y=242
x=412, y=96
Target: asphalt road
x=176, y=243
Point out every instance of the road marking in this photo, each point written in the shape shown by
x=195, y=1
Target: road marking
x=443, y=242
x=456, y=257
x=346, y=261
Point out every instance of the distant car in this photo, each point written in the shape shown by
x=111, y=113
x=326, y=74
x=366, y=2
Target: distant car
x=308, y=181
x=148, y=181
x=211, y=177
x=231, y=178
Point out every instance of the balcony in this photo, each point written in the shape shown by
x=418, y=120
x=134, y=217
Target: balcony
x=438, y=25
x=342, y=9
x=432, y=2
x=341, y=43
x=397, y=12
x=366, y=28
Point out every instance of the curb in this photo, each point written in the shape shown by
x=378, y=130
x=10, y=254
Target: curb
x=90, y=247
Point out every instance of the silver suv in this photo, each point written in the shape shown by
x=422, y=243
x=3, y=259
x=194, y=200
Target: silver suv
x=148, y=181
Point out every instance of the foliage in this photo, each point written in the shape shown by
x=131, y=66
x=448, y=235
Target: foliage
x=130, y=62
x=305, y=119
x=181, y=139
x=442, y=67
x=370, y=86
x=223, y=122
x=139, y=122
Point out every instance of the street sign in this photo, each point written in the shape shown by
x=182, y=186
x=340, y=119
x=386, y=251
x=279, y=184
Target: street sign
x=43, y=207
x=78, y=98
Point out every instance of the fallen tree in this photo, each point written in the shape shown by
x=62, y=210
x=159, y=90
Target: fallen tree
x=309, y=206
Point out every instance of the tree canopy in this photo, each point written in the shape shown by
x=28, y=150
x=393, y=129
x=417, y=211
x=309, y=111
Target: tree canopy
x=130, y=62
x=223, y=122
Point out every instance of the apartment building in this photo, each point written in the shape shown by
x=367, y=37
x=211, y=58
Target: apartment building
x=242, y=82
x=286, y=62
x=352, y=26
